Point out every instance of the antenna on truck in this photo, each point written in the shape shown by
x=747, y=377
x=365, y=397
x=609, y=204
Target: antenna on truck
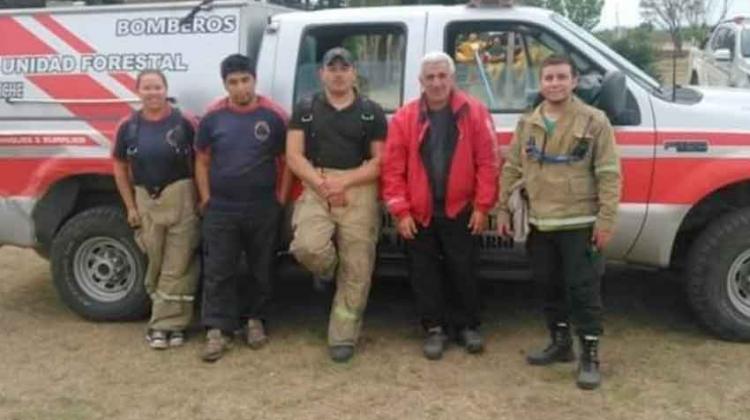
x=203, y=5
x=674, y=76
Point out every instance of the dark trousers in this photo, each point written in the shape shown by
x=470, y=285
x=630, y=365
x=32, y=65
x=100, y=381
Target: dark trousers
x=563, y=264
x=442, y=260
x=229, y=298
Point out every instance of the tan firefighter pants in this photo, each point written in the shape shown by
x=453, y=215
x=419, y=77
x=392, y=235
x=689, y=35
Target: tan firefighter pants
x=169, y=235
x=341, y=241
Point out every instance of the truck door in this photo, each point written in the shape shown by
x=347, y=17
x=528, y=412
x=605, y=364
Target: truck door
x=387, y=52
x=498, y=61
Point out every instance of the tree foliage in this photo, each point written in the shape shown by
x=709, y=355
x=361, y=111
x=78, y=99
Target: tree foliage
x=636, y=45
x=680, y=16
x=584, y=13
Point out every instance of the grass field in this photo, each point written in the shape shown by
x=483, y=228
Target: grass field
x=657, y=363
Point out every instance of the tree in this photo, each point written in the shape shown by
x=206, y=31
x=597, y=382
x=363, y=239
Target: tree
x=584, y=13
x=669, y=14
x=677, y=15
x=636, y=45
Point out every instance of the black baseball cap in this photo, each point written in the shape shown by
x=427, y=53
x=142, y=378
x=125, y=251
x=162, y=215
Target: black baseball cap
x=338, y=53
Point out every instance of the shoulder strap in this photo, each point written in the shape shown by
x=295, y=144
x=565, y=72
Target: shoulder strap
x=184, y=132
x=131, y=130
x=306, y=106
x=178, y=121
x=306, y=109
x=367, y=117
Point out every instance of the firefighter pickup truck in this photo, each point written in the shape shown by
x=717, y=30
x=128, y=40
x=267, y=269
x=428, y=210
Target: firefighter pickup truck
x=724, y=59
x=67, y=77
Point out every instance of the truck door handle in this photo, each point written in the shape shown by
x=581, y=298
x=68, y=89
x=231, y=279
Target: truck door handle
x=684, y=146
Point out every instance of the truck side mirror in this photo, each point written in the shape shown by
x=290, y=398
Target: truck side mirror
x=723, y=54
x=613, y=96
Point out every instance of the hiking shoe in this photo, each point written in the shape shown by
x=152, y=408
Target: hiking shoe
x=256, y=334
x=341, y=353
x=157, y=339
x=216, y=345
x=471, y=340
x=176, y=338
x=434, y=344
x=560, y=348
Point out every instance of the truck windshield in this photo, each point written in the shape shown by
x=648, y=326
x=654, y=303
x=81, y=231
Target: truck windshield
x=746, y=42
x=616, y=59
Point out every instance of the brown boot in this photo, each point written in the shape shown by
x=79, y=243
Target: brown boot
x=216, y=345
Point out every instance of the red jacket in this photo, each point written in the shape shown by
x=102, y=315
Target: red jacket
x=473, y=170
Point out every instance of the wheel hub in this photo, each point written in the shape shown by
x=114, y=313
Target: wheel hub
x=104, y=269
x=738, y=283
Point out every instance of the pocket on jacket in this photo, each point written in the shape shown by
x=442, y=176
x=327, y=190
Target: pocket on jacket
x=582, y=186
x=550, y=188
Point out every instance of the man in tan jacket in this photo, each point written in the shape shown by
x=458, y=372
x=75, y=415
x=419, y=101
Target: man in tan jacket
x=565, y=152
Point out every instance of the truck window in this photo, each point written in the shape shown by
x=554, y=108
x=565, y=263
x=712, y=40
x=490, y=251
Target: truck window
x=378, y=49
x=499, y=62
x=717, y=41
x=745, y=42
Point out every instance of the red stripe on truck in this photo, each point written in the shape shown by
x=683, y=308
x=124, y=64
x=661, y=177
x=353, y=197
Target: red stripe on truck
x=125, y=79
x=16, y=40
x=688, y=180
x=79, y=45
x=102, y=117
x=64, y=34
x=32, y=177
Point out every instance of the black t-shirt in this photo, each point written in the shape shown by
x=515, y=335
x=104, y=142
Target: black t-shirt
x=160, y=152
x=438, y=153
x=244, y=145
x=339, y=142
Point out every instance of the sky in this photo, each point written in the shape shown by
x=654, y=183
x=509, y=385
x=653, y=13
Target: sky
x=629, y=12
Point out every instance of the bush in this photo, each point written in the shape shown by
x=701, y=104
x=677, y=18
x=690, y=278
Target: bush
x=636, y=45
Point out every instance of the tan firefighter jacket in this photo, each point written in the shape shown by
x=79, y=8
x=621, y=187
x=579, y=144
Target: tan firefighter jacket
x=572, y=177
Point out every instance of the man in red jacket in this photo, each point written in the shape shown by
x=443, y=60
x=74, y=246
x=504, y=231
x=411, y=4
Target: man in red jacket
x=439, y=174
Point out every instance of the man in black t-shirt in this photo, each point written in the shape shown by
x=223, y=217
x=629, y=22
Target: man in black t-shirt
x=334, y=145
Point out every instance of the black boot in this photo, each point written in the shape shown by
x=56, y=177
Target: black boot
x=559, y=350
x=588, y=366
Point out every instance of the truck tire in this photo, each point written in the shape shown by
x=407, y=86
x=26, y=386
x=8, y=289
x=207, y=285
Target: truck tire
x=718, y=276
x=97, y=268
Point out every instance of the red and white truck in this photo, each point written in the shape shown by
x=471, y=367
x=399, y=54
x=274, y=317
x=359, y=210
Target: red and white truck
x=66, y=78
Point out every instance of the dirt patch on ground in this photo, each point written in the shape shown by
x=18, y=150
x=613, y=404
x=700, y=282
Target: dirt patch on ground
x=657, y=363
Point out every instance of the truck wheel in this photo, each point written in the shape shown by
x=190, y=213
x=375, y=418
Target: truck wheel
x=694, y=79
x=718, y=276
x=97, y=268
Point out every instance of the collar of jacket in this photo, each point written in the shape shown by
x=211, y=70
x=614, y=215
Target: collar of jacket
x=567, y=114
x=458, y=102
